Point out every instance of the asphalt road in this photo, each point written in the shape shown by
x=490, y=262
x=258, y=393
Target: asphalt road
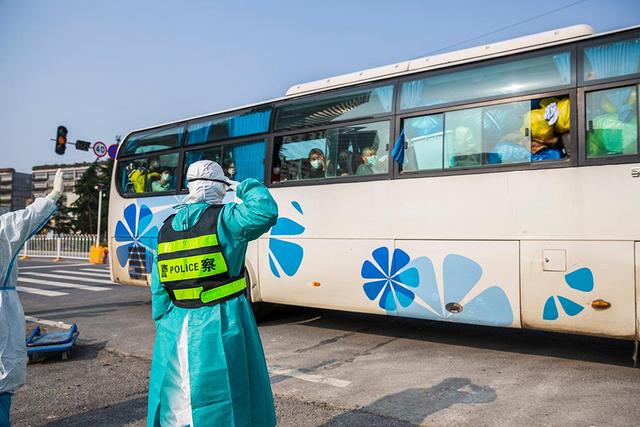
x=329, y=368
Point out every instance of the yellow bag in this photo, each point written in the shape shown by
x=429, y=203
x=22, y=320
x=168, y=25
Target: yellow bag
x=564, y=116
x=540, y=129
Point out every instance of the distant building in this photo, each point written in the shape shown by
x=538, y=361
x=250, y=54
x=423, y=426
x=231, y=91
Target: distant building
x=43, y=179
x=15, y=189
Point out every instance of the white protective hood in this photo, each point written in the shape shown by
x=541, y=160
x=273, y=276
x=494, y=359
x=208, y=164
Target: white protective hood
x=201, y=187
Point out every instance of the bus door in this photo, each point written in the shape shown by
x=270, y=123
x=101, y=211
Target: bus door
x=579, y=286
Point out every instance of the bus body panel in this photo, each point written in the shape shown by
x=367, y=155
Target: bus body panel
x=562, y=279
x=574, y=203
x=637, y=266
x=328, y=275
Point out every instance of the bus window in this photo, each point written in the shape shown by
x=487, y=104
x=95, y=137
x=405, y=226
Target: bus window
x=229, y=126
x=605, y=61
x=153, y=140
x=612, y=122
x=149, y=174
x=345, y=151
x=424, y=140
x=498, y=80
x=330, y=108
x=239, y=161
x=513, y=133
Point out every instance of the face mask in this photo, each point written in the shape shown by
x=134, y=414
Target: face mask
x=232, y=171
x=316, y=164
x=165, y=178
x=371, y=160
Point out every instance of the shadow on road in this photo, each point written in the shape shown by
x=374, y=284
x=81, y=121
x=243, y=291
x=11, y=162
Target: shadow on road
x=414, y=405
x=87, y=310
x=83, y=350
x=530, y=342
x=123, y=413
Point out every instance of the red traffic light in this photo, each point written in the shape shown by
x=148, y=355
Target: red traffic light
x=61, y=140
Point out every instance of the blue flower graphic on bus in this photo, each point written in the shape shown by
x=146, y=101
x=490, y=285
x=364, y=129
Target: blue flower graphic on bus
x=283, y=255
x=410, y=288
x=139, y=239
x=389, y=279
x=580, y=280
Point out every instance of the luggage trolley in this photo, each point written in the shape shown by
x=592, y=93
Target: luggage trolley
x=40, y=342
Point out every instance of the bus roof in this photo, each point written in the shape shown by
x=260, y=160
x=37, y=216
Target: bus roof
x=507, y=47
x=477, y=53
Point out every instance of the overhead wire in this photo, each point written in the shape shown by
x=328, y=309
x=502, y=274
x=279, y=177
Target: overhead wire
x=506, y=27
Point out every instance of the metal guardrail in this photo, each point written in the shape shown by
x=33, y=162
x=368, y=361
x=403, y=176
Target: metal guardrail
x=75, y=246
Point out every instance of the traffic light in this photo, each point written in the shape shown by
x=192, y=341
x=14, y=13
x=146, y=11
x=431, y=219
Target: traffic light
x=61, y=140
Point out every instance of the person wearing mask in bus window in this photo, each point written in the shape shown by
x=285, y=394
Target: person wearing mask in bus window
x=317, y=164
x=15, y=229
x=164, y=182
x=369, y=159
x=208, y=366
x=229, y=167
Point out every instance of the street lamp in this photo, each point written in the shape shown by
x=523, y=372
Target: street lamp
x=100, y=188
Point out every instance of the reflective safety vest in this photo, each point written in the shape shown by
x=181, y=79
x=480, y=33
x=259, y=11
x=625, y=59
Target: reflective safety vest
x=191, y=264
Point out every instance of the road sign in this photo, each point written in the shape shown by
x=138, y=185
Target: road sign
x=99, y=149
x=83, y=145
x=113, y=150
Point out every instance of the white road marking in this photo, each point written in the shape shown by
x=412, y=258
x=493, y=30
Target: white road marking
x=74, y=272
x=36, y=291
x=62, y=285
x=96, y=270
x=54, y=323
x=53, y=266
x=314, y=378
x=81, y=279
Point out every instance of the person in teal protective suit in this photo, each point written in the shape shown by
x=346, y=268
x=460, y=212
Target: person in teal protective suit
x=208, y=366
x=15, y=229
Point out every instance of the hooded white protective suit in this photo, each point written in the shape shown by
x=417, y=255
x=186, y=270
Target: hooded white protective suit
x=15, y=229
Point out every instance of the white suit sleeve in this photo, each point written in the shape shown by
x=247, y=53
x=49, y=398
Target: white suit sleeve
x=17, y=227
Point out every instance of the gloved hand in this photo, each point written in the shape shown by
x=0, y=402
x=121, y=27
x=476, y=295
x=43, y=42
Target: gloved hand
x=58, y=187
x=232, y=184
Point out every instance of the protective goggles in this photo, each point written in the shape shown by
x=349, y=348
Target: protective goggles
x=209, y=179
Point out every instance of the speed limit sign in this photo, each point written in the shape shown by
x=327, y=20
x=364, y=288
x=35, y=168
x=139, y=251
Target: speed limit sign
x=99, y=149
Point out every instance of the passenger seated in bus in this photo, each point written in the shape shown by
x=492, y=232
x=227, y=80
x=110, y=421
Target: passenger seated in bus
x=164, y=182
x=137, y=175
x=369, y=159
x=345, y=163
x=317, y=164
x=153, y=173
x=229, y=168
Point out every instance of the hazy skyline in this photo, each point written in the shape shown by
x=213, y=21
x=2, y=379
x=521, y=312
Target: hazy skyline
x=106, y=68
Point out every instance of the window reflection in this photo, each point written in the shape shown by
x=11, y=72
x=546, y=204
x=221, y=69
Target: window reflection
x=518, y=76
x=612, y=122
x=512, y=133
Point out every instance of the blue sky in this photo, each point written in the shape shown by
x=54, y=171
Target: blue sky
x=107, y=67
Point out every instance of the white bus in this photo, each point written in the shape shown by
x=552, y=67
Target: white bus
x=497, y=185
